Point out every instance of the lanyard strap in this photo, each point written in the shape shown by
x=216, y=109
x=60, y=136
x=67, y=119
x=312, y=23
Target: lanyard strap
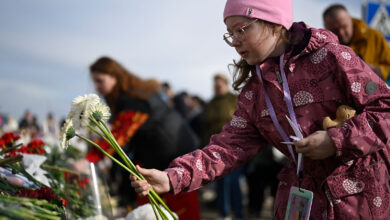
x=287, y=99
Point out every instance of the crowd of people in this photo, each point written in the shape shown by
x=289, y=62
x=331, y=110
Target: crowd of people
x=160, y=125
x=28, y=127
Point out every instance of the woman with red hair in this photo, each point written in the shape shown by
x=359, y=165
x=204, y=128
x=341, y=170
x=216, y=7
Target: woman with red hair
x=149, y=131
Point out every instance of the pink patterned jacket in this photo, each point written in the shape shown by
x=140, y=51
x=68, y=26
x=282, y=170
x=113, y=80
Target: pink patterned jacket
x=354, y=184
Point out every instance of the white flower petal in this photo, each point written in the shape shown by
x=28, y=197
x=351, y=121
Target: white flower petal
x=102, y=108
x=67, y=125
x=81, y=109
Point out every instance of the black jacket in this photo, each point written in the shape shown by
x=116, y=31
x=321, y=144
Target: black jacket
x=163, y=137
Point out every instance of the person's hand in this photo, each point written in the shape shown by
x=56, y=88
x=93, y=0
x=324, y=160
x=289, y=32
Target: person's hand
x=316, y=146
x=157, y=179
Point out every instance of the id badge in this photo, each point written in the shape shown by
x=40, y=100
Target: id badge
x=299, y=204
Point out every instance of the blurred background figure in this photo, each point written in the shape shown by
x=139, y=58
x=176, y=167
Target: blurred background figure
x=29, y=126
x=195, y=114
x=51, y=131
x=35, y=129
x=368, y=43
x=10, y=125
x=26, y=121
x=217, y=113
x=147, y=129
x=50, y=127
x=177, y=102
x=261, y=173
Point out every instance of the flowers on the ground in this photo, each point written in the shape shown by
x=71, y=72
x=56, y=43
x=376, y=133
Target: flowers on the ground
x=9, y=149
x=8, y=139
x=45, y=193
x=34, y=147
x=23, y=195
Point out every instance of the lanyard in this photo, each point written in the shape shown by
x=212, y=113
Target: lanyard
x=287, y=99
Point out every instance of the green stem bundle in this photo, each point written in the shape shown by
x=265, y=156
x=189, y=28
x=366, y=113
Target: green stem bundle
x=156, y=202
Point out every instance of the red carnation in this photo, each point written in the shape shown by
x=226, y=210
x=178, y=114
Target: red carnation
x=46, y=193
x=9, y=138
x=2, y=143
x=87, y=180
x=36, y=144
x=41, y=193
x=23, y=150
x=34, y=147
x=27, y=193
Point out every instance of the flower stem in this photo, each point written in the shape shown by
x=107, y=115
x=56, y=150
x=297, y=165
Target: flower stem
x=107, y=154
x=109, y=138
x=116, y=146
x=160, y=211
x=155, y=195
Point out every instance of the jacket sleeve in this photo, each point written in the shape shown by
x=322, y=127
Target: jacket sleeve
x=368, y=131
x=238, y=141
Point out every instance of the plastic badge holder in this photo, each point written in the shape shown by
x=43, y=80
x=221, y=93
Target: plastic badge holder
x=299, y=204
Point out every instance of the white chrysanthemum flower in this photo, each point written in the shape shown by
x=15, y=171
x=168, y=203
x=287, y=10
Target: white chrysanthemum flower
x=100, y=112
x=67, y=133
x=90, y=98
x=80, y=109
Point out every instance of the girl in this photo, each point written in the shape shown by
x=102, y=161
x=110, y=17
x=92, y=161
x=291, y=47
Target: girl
x=289, y=69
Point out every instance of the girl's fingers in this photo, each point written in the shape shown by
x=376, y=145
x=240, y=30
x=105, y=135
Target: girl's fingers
x=138, y=183
x=303, y=150
x=142, y=189
x=301, y=143
x=133, y=178
x=145, y=193
x=144, y=172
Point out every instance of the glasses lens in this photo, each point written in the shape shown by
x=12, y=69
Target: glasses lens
x=228, y=39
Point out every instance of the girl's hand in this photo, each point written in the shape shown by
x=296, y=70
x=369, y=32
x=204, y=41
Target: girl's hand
x=154, y=178
x=316, y=146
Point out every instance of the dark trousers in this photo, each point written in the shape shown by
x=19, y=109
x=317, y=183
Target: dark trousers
x=229, y=192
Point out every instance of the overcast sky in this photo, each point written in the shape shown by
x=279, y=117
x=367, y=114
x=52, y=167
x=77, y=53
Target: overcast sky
x=46, y=46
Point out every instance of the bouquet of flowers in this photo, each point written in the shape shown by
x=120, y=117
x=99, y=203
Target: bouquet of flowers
x=37, y=184
x=87, y=112
x=22, y=196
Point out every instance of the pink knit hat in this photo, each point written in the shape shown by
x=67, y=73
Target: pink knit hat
x=275, y=11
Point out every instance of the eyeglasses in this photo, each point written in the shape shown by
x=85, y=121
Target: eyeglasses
x=238, y=34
